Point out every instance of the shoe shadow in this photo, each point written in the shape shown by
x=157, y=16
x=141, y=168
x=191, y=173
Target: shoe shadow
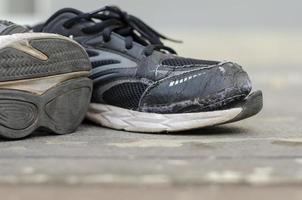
x=36, y=134
x=211, y=131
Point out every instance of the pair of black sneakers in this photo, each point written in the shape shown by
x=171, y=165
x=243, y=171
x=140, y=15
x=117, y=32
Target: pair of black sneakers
x=139, y=84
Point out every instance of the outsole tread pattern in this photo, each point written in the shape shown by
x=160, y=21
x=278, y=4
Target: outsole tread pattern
x=60, y=110
x=63, y=57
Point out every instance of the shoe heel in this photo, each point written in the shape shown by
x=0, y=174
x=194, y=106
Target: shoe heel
x=17, y=115
x=61, y=109
x=67, y=105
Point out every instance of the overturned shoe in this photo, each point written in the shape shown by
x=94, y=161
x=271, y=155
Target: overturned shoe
x=43, y=82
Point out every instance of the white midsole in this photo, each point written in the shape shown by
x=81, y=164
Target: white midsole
x=129, y=120
x=40, y=85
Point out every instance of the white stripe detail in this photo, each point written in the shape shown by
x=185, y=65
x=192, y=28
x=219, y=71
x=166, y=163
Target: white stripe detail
x=185, y=79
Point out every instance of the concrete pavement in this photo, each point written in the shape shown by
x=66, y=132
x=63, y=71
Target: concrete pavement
x=258, y=156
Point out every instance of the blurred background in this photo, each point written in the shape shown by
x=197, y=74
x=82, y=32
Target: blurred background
x=252, y=32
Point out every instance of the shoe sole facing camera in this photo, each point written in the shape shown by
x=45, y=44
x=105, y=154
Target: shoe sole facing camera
x=43, y=84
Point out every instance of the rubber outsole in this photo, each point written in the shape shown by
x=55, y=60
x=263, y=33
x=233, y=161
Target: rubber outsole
x=43, y=84
x=251, y=106
x=133, y=121
x=35, y=55
x=60, y=110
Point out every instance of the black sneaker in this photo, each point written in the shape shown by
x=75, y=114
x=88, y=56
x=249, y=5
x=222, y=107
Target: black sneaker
x=43, y=82
x=141, y=85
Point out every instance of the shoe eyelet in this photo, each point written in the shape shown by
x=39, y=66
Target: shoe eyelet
x=66, y=27
x=107, y=40
x=129, y=47
x=147, y=54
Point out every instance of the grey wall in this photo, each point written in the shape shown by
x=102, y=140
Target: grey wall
x=247, y=14
x=209, y=13
x=253, y=32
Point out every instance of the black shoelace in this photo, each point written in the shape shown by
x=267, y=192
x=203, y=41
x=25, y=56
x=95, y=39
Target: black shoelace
x=112, y=19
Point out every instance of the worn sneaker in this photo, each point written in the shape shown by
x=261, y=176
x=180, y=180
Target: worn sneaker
x=43, y=82
x=141, y=85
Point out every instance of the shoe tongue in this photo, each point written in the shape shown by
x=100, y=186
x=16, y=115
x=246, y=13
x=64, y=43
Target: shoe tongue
x=8, y=28
x=55, y=24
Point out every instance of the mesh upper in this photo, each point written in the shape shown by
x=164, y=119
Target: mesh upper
x=125, y=95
